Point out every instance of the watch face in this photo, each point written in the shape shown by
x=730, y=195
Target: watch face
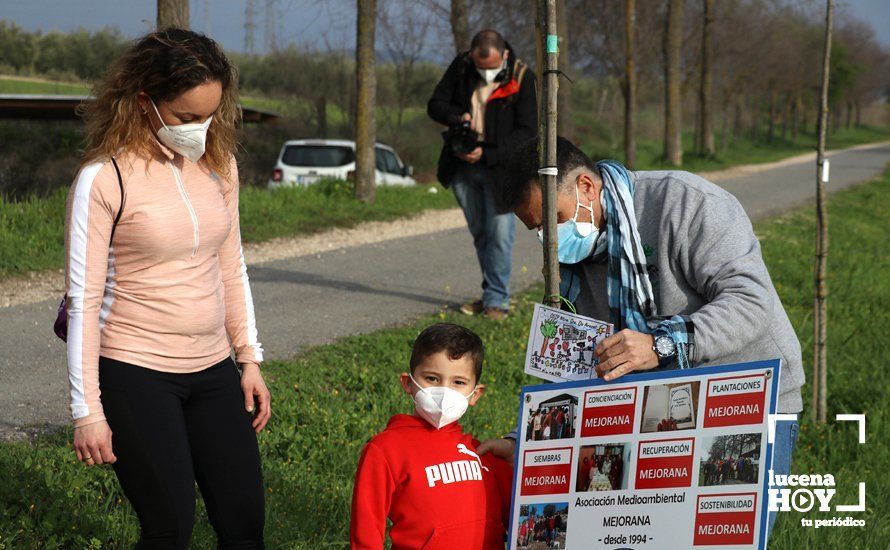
x=664, y=346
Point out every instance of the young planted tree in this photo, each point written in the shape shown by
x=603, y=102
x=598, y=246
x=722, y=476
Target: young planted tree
x=547, y=50
x=173, y=13
x=673, y=105
x=630, y=85
x=706, y=131
x=365, y=101
x=820, y=317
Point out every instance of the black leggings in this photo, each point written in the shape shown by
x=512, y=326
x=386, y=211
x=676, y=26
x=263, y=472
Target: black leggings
x=170, y=430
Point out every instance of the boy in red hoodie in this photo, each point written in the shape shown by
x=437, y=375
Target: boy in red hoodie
x=422, y=472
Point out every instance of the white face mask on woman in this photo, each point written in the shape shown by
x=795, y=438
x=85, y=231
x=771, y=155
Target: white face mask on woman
x=440, y=406
x=189, y=140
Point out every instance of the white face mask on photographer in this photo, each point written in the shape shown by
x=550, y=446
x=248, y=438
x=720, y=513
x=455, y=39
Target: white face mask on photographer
x=189, y=140
x=489, y=75
x=440, y=406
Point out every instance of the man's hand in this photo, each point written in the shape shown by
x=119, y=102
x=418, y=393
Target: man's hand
x=92, y=444
x=625, y=352
x=502, y=448
x=255, y=392
x=472, y=157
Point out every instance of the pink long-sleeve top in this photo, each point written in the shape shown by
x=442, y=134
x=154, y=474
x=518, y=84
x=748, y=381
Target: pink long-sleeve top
x=171, y=293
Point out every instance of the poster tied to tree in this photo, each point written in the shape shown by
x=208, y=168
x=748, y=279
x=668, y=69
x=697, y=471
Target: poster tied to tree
x=561, y=344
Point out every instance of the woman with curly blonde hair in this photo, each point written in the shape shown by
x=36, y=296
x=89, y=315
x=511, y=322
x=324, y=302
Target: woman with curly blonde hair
x=159, y=299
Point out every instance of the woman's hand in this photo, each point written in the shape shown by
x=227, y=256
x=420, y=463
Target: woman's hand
x=255, y=395
x=92, y=444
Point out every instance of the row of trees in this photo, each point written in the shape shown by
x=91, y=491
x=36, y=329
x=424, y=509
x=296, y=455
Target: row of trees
x=642, y=72
x=80, y=54
x=720, y=69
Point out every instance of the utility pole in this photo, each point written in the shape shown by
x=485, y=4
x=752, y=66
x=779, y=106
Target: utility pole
x=820, y=315
x=548, y=52
x=271, y=26
x=250, y=28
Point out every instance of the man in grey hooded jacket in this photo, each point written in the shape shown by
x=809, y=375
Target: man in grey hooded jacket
x=702, y=259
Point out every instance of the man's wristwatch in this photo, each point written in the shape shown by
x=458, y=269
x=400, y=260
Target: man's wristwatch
x=664, y=347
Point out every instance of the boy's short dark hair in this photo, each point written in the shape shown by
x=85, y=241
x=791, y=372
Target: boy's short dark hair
x=455, y=340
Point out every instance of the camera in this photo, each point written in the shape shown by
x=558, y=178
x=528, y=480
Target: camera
x=462, y=139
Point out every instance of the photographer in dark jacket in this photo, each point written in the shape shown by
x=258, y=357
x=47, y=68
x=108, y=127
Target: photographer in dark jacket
x=487, y=100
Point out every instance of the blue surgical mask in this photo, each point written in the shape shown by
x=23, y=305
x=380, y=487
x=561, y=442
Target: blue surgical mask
x=575, y=239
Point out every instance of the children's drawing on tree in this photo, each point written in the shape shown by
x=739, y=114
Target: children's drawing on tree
x=561, y=344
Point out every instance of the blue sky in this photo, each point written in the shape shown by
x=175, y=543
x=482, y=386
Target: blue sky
x=321, y=23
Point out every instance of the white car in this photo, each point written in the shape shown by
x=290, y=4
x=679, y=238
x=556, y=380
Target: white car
x=305, y=161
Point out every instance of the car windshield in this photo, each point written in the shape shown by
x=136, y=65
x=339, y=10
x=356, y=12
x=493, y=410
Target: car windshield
x=321, y=156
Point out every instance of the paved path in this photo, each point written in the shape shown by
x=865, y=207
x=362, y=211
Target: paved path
x=316, y=299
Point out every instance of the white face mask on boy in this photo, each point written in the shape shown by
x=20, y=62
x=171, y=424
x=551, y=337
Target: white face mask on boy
x=440, y=406
x=189, y=140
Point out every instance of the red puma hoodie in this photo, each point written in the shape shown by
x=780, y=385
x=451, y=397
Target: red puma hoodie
x=432, y=485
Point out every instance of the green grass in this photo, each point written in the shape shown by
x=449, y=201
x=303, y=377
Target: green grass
x=16, y=86
x=331, y=399
x=32, y=230
x=858, y=306
x=305, y=210
x=742, y=151
x=32, y=234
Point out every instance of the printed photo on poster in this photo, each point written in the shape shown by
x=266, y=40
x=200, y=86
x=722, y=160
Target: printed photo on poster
x=551, y=418
x=561, y=344
x=603, y=467
x=542, y=526
x=732, y=459
x=668, y=407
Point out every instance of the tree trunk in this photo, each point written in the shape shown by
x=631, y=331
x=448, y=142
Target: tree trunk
x=803, y=118
x=820, y=318
x=365, y=85
x=786, y=110
x=737, y=118
x=173, y=13
x=566, y=124
x=673, y=116
x=754, y=119
x=858, y=113
x=771, y=128
x=546, y=26
x=706, y=131
x=849, y=121
x=630, y=85
x=459, y=26
x=321, y=113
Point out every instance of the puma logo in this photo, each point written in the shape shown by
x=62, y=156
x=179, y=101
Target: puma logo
x=462, y=449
